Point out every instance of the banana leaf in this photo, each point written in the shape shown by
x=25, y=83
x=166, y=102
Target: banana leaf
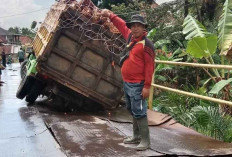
x=219, y=86
x=193, y=28
x=225, y=27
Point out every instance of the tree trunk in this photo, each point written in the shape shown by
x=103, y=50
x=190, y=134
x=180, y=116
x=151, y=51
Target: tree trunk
x=198, y=12
x=186, y=8
x=203, y=8
x=210, y=8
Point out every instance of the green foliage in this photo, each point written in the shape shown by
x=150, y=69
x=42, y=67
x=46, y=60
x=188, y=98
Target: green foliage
x=161, y=43
x=178, y=106
x=125, y=11
x=164, y=72
x=202, y=43
x=197, y=47
x=28, y=32
x=212, y=43
x=193, y=28
x=212, y=122
x=200, y=47
x=224, y=27
x=219, y=86
x=151, y=33
x=108, y=3
x=14, y=30
x=33, y=24
x=171, y=33
x=22, y=31
x=203, y=116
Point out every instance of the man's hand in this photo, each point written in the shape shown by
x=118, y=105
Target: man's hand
x=145, y=93
x=105, y=13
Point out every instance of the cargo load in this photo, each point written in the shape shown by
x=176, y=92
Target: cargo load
x=75, y=55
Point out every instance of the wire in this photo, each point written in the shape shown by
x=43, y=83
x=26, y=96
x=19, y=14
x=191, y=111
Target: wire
x=23, y=13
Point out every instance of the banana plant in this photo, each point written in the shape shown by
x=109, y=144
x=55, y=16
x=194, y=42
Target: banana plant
x=203, y=44
x=225, y=30
x=224, y=43
x=193, y=28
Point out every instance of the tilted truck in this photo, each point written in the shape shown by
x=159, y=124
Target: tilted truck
x=74, y=57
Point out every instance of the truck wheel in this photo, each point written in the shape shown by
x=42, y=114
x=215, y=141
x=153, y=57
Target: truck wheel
x=23, y=69
x=24, y=87
x=35, y=91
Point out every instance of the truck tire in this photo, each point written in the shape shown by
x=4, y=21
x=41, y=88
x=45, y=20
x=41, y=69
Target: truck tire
x=23, y=69
x=24, y=87
x=35, y=91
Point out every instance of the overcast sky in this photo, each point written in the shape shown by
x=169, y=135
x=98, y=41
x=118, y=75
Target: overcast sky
x=162, y=1
x=36, y=11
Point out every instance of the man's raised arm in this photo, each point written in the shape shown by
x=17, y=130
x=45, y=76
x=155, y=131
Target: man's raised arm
x=119, y=23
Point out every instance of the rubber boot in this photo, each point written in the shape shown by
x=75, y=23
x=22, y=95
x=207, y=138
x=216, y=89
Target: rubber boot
x=144, y=132
x=136, y=137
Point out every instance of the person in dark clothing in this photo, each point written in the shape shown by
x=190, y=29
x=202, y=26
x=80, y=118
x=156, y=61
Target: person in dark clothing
x=21, y=55
x=1, y=68
x=137, y=69
x=3, y=58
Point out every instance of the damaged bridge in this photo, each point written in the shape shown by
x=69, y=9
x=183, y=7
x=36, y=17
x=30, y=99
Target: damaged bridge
x=39, y=130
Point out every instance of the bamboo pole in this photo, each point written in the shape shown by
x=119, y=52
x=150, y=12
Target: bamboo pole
x=193, y=95
x=150, y=99
x=217, y=66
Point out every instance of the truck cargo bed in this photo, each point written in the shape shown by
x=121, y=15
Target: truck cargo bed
x=77, y=57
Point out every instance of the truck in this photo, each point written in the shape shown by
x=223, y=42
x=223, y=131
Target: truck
x=75, y=58
x=28, y=52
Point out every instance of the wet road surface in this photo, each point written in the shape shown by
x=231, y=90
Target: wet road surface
x=23, y=132
x=41, y=131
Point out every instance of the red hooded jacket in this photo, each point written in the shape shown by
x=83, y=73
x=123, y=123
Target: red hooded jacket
x=139, y=66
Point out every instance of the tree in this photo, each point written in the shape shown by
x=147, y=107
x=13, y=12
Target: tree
x=15, y=30
x=208, y=7
x=108, y=3
x=203, y=44
x=28, y=32
x=33, y=25
x=23, y=31
x=186, y=8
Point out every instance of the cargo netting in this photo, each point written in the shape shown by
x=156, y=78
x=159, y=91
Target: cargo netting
x=93, y=26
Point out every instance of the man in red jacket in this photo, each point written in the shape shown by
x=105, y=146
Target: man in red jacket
x=137, y=70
